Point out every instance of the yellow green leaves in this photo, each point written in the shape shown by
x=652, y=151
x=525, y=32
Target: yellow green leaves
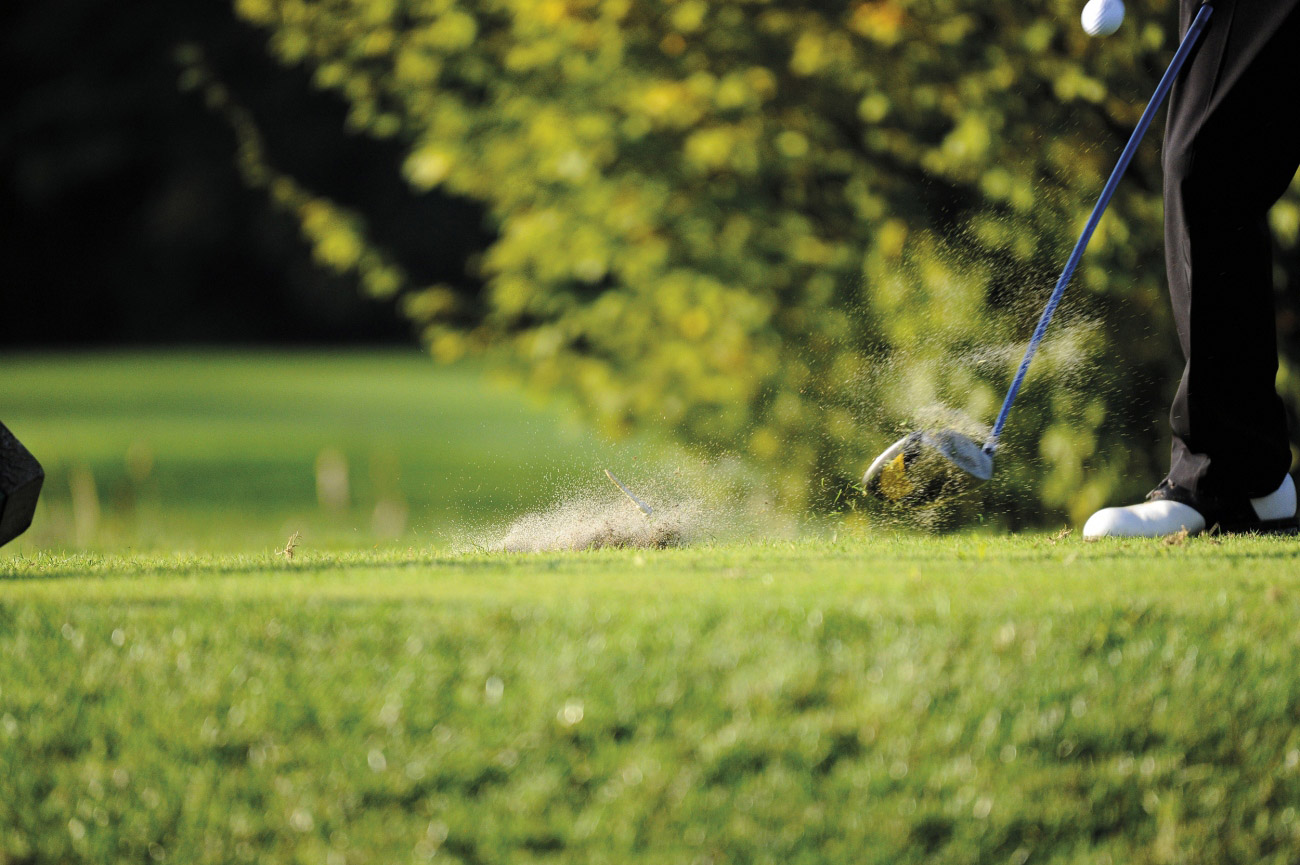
x=454, y=31
x=255, y=11
x=725, y=147
x=688, y=16
x=967, y=144
x=416, y=65
x=334, y=240
x=777, y=229
x=881, y=21
x=671, y=103
x=428, y=166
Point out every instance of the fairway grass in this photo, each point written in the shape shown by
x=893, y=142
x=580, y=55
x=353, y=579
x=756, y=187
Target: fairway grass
x=882, y=699
x=226, y=451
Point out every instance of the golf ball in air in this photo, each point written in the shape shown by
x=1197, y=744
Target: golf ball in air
x=1102, y=17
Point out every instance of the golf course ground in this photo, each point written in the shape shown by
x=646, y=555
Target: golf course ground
x=174, y=687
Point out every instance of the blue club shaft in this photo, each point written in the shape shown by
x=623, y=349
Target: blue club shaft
x=1162, y=90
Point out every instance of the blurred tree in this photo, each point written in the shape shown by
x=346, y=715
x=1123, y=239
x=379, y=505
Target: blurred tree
x=778, y=229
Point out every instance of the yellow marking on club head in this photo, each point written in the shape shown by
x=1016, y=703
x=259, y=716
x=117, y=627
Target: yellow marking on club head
x=893, y=479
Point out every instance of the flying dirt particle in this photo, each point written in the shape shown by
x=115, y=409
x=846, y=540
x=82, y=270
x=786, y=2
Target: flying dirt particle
x=660, y=508
x=640, y=505
x=290, y=547
x=603, y=522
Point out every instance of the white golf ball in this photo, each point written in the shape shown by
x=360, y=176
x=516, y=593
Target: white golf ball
x=1102, y=17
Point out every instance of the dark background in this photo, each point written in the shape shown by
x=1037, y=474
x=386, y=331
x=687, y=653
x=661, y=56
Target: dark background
x=128, y=223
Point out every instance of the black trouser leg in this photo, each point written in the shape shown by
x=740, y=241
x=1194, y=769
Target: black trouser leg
x=1232, y=145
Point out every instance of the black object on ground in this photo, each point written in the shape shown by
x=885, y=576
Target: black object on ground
x=21, y=477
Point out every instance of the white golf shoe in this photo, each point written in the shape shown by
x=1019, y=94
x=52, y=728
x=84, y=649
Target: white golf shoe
x=1170, y=509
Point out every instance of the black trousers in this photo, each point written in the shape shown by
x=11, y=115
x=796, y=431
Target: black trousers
x=1232, y=145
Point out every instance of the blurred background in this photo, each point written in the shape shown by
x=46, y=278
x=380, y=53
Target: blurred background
x=265, y=257
x=129, y=221
x=190, y=375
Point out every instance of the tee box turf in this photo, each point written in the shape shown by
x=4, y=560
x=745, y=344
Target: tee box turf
x=21, y=477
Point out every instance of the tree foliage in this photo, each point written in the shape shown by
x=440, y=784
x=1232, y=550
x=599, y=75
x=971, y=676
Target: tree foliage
x=783, y=229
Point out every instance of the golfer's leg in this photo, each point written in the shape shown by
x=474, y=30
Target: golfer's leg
x=1232, y=146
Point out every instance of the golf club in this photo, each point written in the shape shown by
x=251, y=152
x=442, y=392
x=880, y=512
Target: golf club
x=924, y=466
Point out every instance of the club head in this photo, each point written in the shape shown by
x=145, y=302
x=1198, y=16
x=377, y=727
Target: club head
x=925, y=466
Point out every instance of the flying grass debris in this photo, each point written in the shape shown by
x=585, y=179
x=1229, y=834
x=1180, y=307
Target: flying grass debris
x=289, y=547
x=596, y=518
x=642, y=506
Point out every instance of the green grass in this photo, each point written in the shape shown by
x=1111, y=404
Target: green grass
x=885, y=700
x=217, y=451
x=171, y=690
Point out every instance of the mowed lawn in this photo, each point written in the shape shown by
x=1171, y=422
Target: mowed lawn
x=857, y=697
x=234, y=451
x=884, y=700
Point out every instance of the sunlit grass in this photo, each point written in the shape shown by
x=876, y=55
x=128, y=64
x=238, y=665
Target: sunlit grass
x=175, y=686
x=226, y=451
x=894, y=698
